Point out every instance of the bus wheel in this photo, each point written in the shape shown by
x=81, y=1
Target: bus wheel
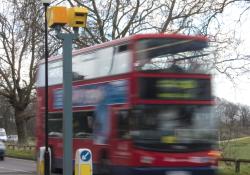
x=104, y=167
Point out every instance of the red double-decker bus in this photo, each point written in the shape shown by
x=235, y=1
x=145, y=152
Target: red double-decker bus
x=142, y=104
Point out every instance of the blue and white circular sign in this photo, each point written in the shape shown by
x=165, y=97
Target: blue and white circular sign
x=85, y=155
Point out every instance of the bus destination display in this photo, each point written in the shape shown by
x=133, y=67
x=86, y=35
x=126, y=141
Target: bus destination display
x=174, y=89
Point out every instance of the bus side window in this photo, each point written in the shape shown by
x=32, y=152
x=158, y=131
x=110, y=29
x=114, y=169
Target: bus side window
x=123, y=124
x=40, y=82
x=83, y=124
x=55, y=72
x=123, y=48
x=103, y=62
x=84, y=66
x=122, y=60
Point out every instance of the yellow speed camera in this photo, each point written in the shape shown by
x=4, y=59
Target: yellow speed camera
x=57, y=16
x=77, y=16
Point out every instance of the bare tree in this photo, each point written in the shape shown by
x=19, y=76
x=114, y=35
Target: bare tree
x=244, y=113
x=22, y=42
x=20, y=48
x=7, y=116
x=234, y=124
x=229, y=115
x=114, y=19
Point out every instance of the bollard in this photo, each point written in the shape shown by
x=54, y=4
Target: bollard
x=40, y=160
x=83, y=162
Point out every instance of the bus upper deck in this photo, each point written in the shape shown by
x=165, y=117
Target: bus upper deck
x=138, y=53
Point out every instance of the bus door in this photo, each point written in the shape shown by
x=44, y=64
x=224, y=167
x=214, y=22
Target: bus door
x=120, y=138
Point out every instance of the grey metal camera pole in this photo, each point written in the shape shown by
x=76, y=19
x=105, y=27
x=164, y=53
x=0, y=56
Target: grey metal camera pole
x=67, y=98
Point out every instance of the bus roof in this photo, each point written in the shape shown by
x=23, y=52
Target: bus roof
x=129, y=38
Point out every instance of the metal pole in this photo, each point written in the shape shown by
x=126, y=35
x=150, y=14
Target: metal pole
x=67, y=101
x=46, y=154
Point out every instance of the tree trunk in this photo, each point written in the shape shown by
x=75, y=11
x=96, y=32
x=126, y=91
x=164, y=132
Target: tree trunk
x=21, y=127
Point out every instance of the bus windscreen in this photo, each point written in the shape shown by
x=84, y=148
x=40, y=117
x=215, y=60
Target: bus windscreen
x=172, y=55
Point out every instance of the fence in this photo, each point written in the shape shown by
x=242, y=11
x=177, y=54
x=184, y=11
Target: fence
x=236, y=162
x=20, y=147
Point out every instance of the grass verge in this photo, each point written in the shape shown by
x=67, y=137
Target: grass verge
x=23, y=154
x=238, y=149
x=229, y=169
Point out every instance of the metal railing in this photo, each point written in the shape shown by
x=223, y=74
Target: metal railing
x=237, y=162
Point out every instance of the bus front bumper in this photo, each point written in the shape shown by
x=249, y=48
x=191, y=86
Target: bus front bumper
x=165, y=171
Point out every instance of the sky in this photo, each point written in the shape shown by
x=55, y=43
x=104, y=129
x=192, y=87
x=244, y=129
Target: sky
x=239, y=90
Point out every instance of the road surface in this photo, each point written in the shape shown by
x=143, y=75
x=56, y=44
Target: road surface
x=12, y=166
x=17, y=167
